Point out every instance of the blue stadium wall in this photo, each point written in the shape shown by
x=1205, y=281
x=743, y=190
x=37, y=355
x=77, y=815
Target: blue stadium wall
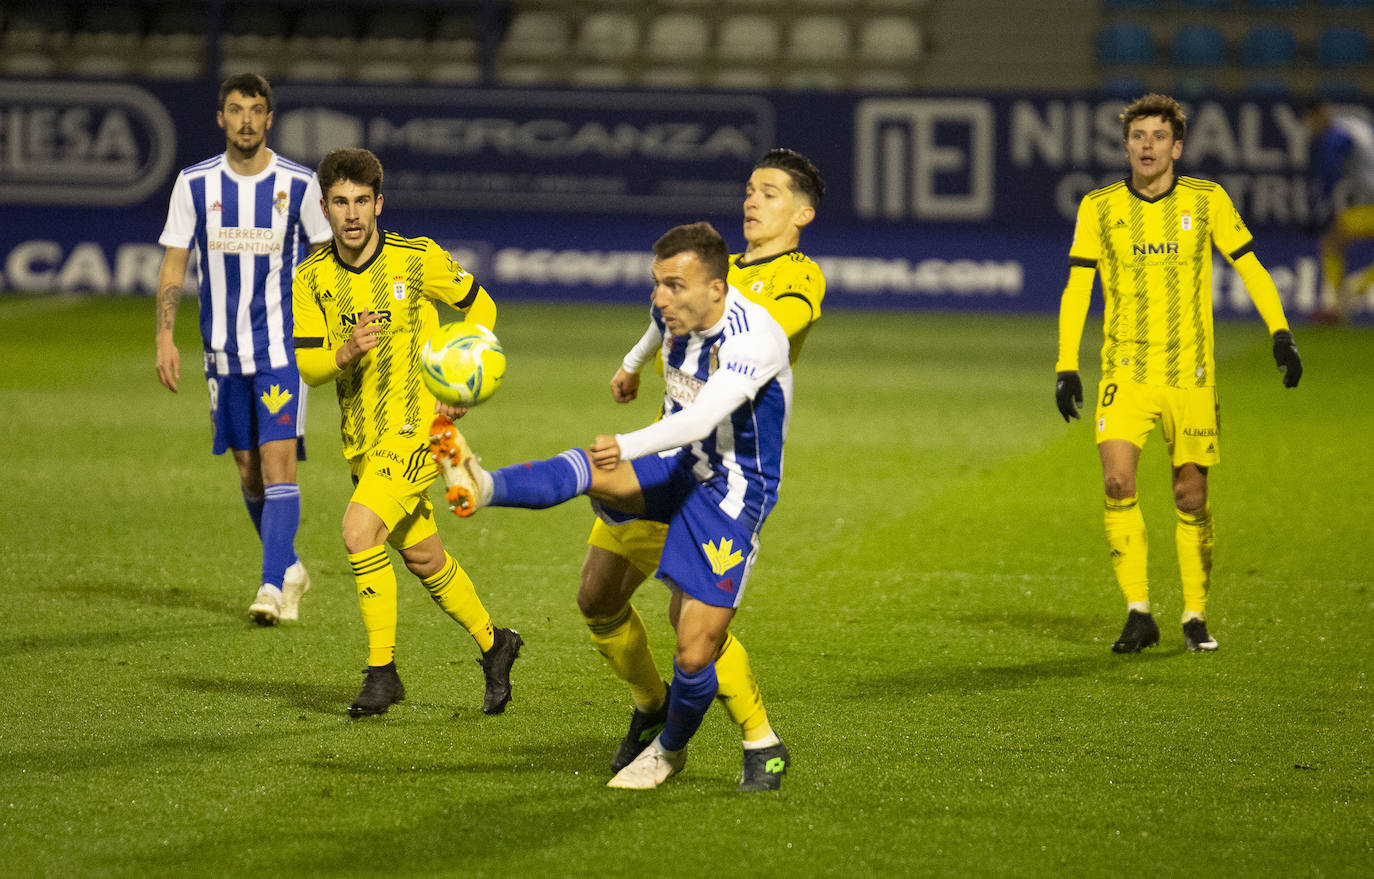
x=946, y=201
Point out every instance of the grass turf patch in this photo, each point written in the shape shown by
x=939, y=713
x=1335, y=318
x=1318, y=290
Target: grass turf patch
x=929, y=620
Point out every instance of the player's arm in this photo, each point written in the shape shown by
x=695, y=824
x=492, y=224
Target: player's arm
x=625, y=382
x=170, y=279
x=446, y=281
x=1233, y=239
x=1073, y=311
x=745, y=367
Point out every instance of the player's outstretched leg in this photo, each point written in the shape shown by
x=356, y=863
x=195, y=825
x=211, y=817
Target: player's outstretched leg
x=766, y=758
x=496, y=664
x=1140, y=632
x=468, y=485
x=382, y=688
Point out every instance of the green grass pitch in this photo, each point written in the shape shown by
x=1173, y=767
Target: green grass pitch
x=929, y=620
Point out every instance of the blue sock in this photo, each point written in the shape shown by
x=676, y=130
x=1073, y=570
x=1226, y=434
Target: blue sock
x=281, y=516
x=540, y=484
x=688, y=700
x=254, y=504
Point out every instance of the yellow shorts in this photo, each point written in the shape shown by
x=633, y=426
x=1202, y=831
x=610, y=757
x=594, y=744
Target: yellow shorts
x=1357, y=222
x=639, y=540
x=1189, y=417
x=392, y=480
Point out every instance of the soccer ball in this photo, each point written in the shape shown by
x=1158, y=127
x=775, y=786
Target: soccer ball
x=462, y=364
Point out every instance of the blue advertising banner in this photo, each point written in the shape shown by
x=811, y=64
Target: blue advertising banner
x=949, y=201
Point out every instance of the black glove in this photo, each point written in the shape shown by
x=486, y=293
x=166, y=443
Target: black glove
x=1286, y=356
x=1068, y=391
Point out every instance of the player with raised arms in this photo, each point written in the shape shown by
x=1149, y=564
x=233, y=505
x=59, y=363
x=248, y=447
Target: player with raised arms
x=250, y=215
x=364, y=309
x=709, y=469
x=1150, y=237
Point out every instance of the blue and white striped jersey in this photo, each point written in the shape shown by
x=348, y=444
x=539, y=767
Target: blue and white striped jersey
x=248, y=233
x=728, y=398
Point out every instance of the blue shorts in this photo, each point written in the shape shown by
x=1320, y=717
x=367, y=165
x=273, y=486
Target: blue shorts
x=247, y=411
x=707, y=554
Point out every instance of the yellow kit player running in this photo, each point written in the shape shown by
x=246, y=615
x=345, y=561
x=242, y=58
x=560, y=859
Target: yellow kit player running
x=781, y=198
x=363, y=312
x=1151, y=237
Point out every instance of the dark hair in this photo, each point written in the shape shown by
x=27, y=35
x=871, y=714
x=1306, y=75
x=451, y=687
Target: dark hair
x=355, y=165
x=1154, y=105
x=804, y=176
x=701, y=239
x=250, y=85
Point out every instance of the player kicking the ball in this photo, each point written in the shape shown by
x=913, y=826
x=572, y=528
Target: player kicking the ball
x=710, y=469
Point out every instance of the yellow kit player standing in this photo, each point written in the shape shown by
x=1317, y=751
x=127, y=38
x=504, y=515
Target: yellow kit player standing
x=781, y=198
x=1151, y=237
x=363, y=312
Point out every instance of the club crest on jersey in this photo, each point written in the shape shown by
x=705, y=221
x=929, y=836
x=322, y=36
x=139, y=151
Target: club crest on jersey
x=1185, y=222
x=282, y=201
x=398, y=287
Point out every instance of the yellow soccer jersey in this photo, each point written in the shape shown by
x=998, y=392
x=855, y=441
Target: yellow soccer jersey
x=781, y=284
x=380, y=393
x=1155, y=260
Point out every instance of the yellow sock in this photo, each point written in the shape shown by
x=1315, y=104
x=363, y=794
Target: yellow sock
x=1129, y=546
x=1333, y=267
x=625, y=644
x=453, y=591
x=739, y=693
x=377, y=600
x=1194, y=538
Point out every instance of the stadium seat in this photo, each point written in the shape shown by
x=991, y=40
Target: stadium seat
x=748, y=37
x=1269, y=46
x=889, y=39
x=394, y=47
x=175, y=45
x=454, y=72
x=254, y=39
x=1339, y=90
x=1273, y=5
x=812, y=79
x=1124, y=87
x=909, y=6
x=323, y=45
x=741, y=78
x=818, y=39
x=671, y=77
x=1342, y=47
x=608, y=36
x=1123, y=43
x=1198, y=45
x=1348, y=4
x=106, y=41
x=530, y=73
x=36, y=27
x=677, y=37
x=1194, y=86
x=455, y=38
x=536, y=34
x=600, y=76
x=1207, y=5
x=883, y=80
x=1143, y=5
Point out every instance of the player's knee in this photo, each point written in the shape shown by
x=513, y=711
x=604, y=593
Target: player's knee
x=596, y=596
x=692, y=660
x=1190, y=498
x=1118, y=486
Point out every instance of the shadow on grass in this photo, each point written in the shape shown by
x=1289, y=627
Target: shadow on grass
x=318, y=698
